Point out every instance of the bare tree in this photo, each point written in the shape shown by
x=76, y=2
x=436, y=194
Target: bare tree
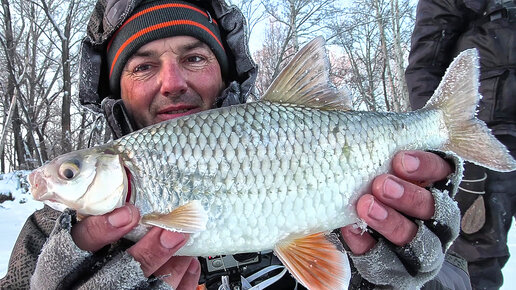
x=9, y=44
x=253, y=12
x=63, y=26
x=268, y=57
x=40, y=66
x=374, y=35
x=302, y=20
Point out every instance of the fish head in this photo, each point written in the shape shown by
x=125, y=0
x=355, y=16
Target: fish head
x=91, y=181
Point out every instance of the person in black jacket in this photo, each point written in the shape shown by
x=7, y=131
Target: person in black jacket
x=487, y=199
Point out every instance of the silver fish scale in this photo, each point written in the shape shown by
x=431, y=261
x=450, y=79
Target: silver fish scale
x=265, y=171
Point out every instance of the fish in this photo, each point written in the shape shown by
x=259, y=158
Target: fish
x=279, y=173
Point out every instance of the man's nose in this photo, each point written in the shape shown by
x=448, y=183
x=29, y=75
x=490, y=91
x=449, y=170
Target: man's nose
x=173, y=81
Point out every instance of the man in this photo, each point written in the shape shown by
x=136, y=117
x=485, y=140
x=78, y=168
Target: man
x=487, y=199
x=141, y=68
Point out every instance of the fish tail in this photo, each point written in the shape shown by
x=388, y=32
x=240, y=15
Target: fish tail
x=457, y=97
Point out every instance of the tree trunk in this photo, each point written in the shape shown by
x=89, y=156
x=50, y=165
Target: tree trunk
x=66, y=133
x=402, y=92
x=18, y=140
x=7, y=119
x=387, y=76
x=9, y=47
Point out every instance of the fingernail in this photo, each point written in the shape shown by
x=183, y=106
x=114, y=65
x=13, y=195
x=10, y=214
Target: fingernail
x=356, y=230
x=120, y=217
x=170, y=239
x=193, y=268
x=392, y=189
x=410, y=163
x=376, y=211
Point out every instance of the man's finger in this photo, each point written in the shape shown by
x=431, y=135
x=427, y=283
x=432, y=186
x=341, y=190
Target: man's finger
x=156, y=248
x=406, y=197
x=191, y=278
x=95, y=232
x=422, y=168
x=386, y=221
x=180, y=272
x=359, y=242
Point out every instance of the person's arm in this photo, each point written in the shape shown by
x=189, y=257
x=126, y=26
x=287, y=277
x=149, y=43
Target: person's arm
x=46, y=255
x=413, y=225
x=438, y=26
x=88, y=254
x=27, y=248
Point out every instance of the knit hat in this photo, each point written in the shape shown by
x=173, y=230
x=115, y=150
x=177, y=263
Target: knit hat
x=159, y=19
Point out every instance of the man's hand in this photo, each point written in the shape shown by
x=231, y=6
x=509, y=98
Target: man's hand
x=155, y=251
x=394, y=196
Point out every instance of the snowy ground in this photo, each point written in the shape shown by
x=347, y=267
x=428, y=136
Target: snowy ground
x=14, y=213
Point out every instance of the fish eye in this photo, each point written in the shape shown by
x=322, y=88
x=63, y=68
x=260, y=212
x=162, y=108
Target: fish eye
x=68, y=170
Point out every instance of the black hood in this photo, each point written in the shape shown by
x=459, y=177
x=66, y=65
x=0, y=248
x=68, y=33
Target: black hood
x=108, y=15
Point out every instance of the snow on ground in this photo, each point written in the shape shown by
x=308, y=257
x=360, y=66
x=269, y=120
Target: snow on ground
x=14, y=213
x=509, y=271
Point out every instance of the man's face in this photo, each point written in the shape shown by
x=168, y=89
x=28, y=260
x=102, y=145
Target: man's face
x=169, y=78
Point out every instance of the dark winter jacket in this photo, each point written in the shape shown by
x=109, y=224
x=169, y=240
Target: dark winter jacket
x=46, y=256
x=444, y=29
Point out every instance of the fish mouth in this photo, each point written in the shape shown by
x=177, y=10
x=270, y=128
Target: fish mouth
x=38, y=186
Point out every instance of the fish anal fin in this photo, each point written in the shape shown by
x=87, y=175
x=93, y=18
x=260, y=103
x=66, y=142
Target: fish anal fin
x=188, y=218
x=305, y=81
x=315, y=261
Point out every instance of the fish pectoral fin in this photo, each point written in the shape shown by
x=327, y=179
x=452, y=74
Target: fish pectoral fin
x=315, y=261
x=188, y=218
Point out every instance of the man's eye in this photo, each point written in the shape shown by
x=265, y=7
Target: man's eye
x=195, y=59
x=141, y=68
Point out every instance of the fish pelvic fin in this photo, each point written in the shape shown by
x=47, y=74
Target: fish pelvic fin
x=305, y=81
x=188, y=218
x=457, y=97
x=316, y=261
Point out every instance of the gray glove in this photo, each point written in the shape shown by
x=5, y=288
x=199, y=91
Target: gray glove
x=62, y=265
x=410, y=267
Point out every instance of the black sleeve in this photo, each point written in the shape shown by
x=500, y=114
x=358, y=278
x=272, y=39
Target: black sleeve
x=439, y=23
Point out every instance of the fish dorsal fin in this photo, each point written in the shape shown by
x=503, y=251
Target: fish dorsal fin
x=305, y=81
x=188, y=218
x=315, y=261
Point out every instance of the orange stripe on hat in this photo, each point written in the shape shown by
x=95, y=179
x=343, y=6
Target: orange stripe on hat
x=168, y=5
